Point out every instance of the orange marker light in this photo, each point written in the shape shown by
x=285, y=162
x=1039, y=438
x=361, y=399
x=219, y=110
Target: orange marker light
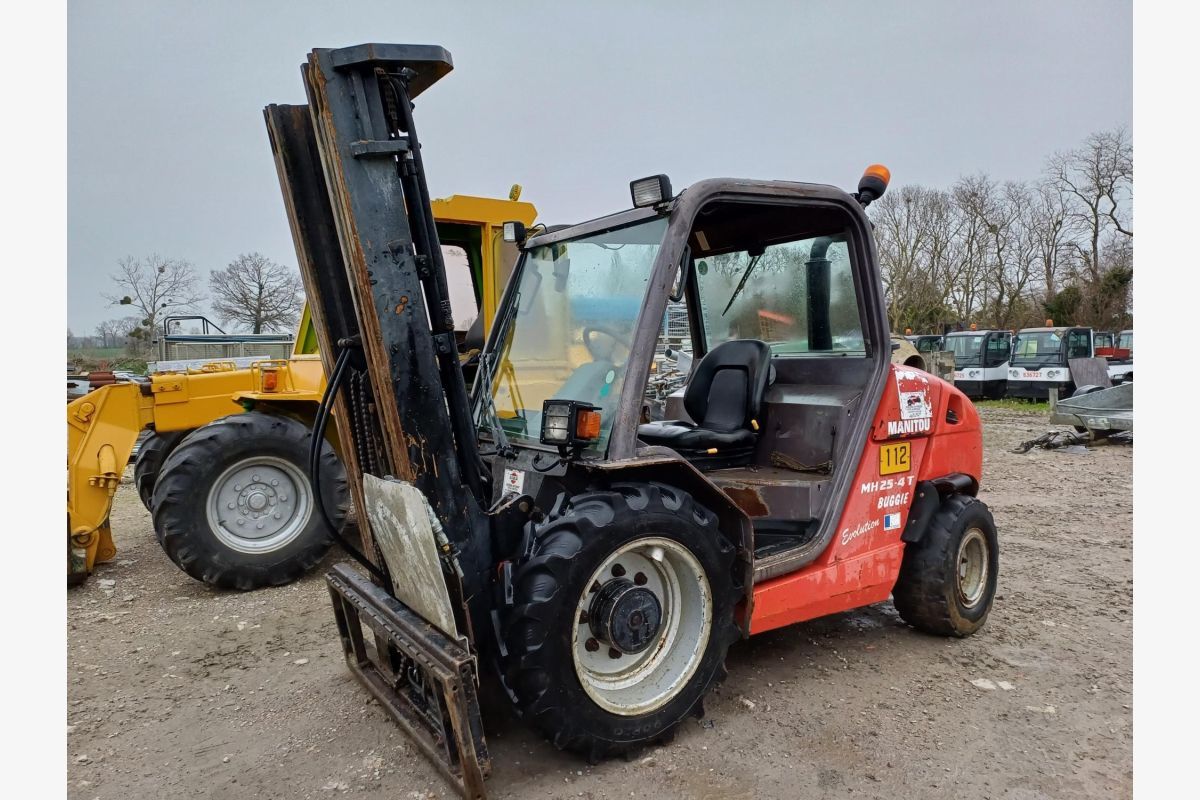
x=879, y=171
x=1049, y=323
x=587, y=425
x=972, y=326
x=270, y=380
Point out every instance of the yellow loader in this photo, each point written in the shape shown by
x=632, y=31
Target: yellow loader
x=225, y=471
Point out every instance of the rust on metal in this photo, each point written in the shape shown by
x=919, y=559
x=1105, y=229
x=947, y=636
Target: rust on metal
x=422, y=678
x=748, y=500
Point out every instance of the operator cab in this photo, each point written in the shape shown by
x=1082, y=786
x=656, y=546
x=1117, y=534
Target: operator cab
x=766, y=288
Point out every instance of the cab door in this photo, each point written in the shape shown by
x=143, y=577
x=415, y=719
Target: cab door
x=1079, y=343
x=996, y=349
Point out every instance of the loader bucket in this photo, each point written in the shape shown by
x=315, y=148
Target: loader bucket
x=422, y=677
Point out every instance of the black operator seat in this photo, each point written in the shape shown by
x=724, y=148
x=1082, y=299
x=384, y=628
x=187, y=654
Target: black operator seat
x=724, y=397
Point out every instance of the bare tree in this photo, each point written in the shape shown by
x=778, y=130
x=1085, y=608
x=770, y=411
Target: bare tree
x=109, y=331
x=256, y=293
x=1095, y=180
x=156, y=287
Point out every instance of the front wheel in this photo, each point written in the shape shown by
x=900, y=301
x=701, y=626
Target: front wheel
x=622, y=617
x=947, y=580
x=234, y=506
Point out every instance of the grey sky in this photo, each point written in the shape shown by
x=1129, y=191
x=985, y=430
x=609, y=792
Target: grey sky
x=168, y=153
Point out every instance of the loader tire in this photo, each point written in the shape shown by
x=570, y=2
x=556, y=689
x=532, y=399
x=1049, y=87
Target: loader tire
x=234, y=505
x=948, y=579
x=150, y=458
x=595, y=562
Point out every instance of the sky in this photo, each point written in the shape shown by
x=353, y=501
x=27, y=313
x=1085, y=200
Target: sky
x=168, y=154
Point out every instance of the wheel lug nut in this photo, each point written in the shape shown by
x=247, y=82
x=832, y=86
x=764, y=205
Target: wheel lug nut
x=618, y=570
x=256, y=479
x=274, y=483
x=595, y=587
x=640, y=579
x=231, y=505
x=259, y=526
x=241, y=522
x=592, y=645
x=237, y=487
x=276, y=516
x=614, y=652
x=583, y=617
x=283, y=498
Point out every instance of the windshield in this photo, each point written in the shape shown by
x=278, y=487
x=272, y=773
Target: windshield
x=1042, y=347
x=1125, y=341
x=1103, y=339
x=567, y=333
x=966, y=349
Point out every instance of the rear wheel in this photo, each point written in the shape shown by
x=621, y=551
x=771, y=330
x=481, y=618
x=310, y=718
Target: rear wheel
x=234, y=506
x=622, y=618
x=948, y=579
x=150, y=458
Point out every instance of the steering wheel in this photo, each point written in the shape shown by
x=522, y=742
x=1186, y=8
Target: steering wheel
x=616, y=336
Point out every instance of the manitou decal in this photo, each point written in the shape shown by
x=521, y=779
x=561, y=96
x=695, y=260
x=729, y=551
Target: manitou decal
x=916, y=410
x=907, y=427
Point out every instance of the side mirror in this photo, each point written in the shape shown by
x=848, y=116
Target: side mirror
x=562, y=270
x=535, y=279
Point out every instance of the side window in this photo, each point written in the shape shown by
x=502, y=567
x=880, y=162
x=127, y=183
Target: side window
x=997, y=349
x=766, y=296
x=1078, y=345
x=462, y=287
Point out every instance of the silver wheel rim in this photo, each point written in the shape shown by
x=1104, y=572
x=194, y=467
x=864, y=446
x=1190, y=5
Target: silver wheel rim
x=259, y=504
x=972, y=568
x=639, y=683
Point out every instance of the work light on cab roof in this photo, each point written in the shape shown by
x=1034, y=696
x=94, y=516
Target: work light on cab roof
x=650, y=191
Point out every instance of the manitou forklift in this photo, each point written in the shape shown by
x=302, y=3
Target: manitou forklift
x=534, y=536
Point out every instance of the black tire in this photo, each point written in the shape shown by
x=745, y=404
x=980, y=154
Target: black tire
x=567, y=549
x=927, y=592
x=182, y=495
x=150, y=458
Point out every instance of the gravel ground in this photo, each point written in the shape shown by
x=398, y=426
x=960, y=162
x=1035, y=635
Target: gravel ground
x=177, y=690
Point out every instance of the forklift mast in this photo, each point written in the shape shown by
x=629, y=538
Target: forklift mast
x=354, y=185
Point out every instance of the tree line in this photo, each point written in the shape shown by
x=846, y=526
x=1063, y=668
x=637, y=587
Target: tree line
x=1010, y=254
x=252, y=294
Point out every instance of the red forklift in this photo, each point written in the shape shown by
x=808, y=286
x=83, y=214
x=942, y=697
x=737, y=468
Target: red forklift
x=532, y=536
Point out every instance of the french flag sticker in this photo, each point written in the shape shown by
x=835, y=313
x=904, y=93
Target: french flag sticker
x=891, y=521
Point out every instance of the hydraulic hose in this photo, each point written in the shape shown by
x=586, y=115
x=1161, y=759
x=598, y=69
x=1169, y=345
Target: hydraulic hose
x=314, y=463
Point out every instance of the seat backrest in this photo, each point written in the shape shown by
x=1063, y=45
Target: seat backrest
x=726, y=389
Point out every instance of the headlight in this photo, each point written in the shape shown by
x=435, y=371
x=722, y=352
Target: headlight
x=569, y=423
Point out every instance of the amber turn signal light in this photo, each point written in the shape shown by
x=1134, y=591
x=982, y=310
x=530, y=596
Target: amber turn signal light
x=587, y=424
x=270, y=380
